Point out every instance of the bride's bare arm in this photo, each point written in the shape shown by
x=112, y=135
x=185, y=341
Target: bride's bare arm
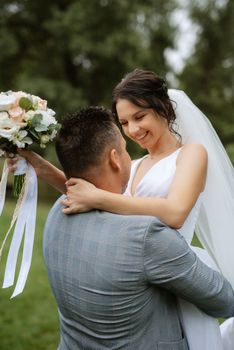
x=188, y=183
x=44, y=169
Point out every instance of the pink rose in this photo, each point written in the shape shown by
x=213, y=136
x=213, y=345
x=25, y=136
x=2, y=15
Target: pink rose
x=42, y=104
x=16, y=114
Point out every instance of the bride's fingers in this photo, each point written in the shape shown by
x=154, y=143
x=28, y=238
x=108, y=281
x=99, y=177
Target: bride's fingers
x=66, y=202
x=72, y=181
x=10, y=155
x=75, y=209
x=12, y=168
x=68, y=210
x=71, y=208
x=11, y=162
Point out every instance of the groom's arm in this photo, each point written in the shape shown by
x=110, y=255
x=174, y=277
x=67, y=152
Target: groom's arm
x=170, y=263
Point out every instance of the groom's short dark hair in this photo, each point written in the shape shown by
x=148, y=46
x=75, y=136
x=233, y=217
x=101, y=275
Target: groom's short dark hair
x=83, y=138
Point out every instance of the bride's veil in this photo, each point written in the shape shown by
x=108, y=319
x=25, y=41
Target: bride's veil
x=215, y=226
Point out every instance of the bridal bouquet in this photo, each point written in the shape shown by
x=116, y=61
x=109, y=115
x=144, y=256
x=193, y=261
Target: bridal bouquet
x=25, y=119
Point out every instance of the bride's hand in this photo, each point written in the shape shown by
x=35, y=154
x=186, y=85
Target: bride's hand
x=81, y=196
x=33, y=158
x=11, y=159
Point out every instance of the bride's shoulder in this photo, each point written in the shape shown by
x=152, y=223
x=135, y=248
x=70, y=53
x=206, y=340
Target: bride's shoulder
x=193, y=151
x=193, y=146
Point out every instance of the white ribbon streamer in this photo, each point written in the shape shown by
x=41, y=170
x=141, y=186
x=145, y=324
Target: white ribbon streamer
x=3, y=185
x=22, y=166
x=25, y=213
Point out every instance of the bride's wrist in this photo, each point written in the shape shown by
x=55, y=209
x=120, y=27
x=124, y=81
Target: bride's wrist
x=43, y=168
x=99, y=198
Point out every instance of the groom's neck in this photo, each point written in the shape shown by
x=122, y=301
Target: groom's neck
x=106, y=180
x=108, y=184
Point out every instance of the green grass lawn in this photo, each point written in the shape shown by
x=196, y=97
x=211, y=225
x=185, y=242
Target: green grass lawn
x=29, y=321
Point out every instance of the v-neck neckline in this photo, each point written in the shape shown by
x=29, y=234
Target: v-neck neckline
x=147, y=172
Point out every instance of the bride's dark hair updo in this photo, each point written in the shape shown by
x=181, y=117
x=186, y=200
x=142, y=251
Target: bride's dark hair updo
x=146, y=90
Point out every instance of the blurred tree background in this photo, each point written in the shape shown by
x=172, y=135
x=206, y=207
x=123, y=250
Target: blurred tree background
x=208, y=76
x=72, y=53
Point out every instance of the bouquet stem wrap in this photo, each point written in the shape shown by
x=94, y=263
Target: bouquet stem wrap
x=19, y=176
x=25, y=218
x=18, y=184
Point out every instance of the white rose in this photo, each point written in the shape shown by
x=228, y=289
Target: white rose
x=18, y=95
x=5, y=121
x=51, y=112
x=35, y=99
x=29, y=115
x=4, y=116
x=6, y=102
x=8, y=133
x=8, y=123
x=1, y=153
x=47, y=119
x=39, y=102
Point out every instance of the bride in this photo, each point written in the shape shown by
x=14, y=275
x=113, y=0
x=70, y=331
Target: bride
x=187, y=175
x=185, y=179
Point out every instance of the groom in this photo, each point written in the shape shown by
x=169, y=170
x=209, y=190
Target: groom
x=116, y=278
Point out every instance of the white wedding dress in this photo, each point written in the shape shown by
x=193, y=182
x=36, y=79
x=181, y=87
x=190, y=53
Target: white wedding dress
x=201, y=330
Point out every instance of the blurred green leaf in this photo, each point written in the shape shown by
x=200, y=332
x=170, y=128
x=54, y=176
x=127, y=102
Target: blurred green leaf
x=25, y=103
x=36, y=120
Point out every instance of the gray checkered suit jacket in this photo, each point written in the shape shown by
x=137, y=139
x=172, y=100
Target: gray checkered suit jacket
x=115, y=279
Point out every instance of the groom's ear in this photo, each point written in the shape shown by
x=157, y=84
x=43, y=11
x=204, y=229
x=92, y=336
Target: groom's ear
x=114, y=160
